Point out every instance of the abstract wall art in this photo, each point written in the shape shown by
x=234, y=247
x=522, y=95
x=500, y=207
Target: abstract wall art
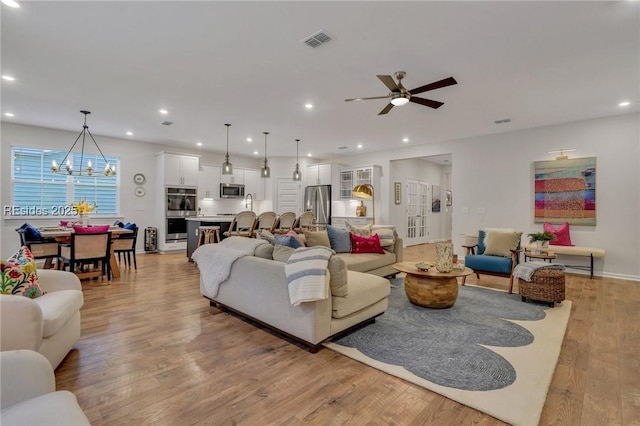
x=565, y=191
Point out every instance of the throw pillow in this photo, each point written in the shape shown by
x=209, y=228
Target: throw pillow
x=288, y=241
x=363, y=231
x=31, y=233
x=282, y=253
x=339, y=239
x=563, y=237
x=365, y=245
x=387, y=235
x=317, y=238
x=300, y=237
x=18, y=275
x=264, y=251
x=267, y=236
x=130, y=226
x=338, y=276
x=90, y=229
x=501, y=243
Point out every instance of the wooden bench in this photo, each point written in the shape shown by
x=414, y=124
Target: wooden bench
x=590, y=252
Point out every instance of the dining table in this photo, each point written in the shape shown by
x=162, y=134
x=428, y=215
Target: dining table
x=63, y=235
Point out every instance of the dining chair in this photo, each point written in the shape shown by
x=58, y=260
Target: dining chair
x=125, y=245
x=44, y=248
x=285, y=223
x=84, y=250
x=304, y=222
x=242, y=224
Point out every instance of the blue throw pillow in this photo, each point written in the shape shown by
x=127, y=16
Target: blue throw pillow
x=339, y=239
x=118, y=223
x=131, y=226
x=283, y=240
x=31, y=233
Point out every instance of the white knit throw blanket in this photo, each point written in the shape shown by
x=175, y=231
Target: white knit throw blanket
x=307, y=276
x=215, y=261
x=525, y=271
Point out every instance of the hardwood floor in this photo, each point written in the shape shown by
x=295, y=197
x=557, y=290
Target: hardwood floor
x=153, y=352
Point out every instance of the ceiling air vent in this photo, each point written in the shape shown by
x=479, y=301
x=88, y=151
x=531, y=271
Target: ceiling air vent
x=167, y=123
x=506, y=120
x=343, y=147
x=317, y=39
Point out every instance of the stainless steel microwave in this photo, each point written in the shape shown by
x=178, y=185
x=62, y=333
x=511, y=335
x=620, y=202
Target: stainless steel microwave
x=230, y=190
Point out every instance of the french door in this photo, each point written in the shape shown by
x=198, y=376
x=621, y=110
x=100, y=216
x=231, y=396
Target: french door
x=418, y=196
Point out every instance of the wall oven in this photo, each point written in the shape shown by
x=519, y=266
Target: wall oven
x=176, y=229
x=181, y=203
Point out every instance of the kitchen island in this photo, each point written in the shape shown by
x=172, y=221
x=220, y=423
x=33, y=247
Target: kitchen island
x=193, y=223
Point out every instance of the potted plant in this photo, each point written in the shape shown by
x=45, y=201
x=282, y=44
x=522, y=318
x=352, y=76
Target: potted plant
x=541, y=240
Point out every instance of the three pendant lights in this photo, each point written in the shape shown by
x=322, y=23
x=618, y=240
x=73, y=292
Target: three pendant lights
x=265, y=171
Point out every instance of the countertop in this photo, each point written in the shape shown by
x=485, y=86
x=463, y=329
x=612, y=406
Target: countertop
x=213, y=218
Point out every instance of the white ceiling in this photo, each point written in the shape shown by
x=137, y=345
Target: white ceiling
x=210, y=63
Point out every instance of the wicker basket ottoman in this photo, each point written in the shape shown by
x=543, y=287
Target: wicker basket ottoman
x=547, y=285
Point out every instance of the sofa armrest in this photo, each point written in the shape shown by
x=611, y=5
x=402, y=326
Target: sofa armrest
x=53, y=280
x=25, y=375
x=21, y=323
x=399, y=250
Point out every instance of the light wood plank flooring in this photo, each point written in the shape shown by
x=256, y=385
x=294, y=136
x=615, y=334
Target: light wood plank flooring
x=153, y=352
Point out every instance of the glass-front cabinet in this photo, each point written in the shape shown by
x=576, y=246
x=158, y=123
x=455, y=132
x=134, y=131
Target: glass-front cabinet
x=350, y=178
x=346, y=184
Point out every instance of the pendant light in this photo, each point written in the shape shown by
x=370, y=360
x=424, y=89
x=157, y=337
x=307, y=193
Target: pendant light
x=296, y=172
x=227, y=167
x=265, y=172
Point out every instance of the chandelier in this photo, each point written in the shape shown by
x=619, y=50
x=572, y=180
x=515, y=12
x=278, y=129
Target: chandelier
x=227, y=167
x=297, y=176
x=109, y=170
x=265, y=172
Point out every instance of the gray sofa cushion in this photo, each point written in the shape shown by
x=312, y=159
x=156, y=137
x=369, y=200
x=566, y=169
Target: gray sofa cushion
x=364, y=262
x=364, y=291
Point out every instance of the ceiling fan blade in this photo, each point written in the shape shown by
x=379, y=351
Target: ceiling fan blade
x=426, y=102
x=366, y=99
x=435, y=85
x=389, y=82
x=386, y=109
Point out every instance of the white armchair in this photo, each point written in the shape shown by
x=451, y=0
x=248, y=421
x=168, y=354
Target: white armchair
x=49, y=324
x=29, y=396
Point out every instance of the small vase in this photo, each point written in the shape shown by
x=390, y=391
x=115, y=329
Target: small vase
x=84, y=219
x=444, y=256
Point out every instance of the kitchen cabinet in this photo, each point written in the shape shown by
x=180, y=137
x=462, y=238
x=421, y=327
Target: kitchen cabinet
x=180, y=170
x=236, y=178
x=350, y=178
x=254, y=184
x=318, y=174
x=209, y=182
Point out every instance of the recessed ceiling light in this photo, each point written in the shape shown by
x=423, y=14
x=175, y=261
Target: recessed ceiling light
x=249, y=140
x=9, y=114
x=11, y=3
x=624, y=104
x=199, y=143
x=129, y=133
x=255, y=152
x=405, y=140
x=8, y=78
x=308, y=106
x=359, y=146
x=163, y=111
x=309, y=155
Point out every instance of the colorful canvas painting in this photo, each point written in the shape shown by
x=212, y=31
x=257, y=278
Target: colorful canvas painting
x=565, y=191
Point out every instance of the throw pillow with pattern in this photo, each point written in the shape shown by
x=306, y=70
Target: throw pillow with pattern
x=387, y=235
x=267, y=236
x=366, y=245
x=18, y=275
x=363, y=231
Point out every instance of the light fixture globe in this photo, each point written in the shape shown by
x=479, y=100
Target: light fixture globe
x=227, y=167
x=297, y=176
x=265, y=172
x=399, y=99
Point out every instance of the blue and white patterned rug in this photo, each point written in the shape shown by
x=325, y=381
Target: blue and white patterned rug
x=490, y=351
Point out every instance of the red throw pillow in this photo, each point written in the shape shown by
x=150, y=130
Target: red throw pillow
x=90, y=229
x=365, y=245
x=562, y=234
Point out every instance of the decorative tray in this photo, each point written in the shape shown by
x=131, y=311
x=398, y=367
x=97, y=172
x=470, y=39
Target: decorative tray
x=423, y=266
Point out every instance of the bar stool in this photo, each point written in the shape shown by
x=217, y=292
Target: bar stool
x=208, y=234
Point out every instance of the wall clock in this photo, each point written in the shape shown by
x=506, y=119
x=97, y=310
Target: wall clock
x=139, y=191
x=139, y=178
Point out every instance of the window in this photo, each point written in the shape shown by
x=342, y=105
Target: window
x=37, y=191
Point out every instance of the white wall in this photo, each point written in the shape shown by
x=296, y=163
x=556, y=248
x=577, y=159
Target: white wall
x=495, y=173
x=135, y=157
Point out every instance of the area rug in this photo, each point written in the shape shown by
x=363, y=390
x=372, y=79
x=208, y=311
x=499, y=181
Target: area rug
x=490, y=351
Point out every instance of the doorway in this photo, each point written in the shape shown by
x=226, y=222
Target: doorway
x=417, y=207
x=288, y=196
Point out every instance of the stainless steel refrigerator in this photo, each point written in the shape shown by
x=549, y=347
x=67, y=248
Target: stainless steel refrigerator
x=318, y=199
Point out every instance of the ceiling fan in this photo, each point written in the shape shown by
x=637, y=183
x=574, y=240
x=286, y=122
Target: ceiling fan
x=399, y=95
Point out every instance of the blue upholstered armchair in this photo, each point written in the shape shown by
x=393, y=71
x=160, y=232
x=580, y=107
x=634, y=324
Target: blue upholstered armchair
x=496, y=253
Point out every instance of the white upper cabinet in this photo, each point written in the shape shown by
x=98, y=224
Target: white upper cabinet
x=209, y=182
x=236, y=178
x=318, y=174
x=180, y=170
x=350, y=178
x=254, y=184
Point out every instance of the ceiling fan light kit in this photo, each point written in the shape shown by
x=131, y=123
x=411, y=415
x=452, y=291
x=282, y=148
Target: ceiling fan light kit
x=399, y=95
x=227, y=167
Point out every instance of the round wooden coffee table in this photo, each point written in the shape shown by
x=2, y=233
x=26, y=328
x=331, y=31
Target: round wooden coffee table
x=431, y=289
